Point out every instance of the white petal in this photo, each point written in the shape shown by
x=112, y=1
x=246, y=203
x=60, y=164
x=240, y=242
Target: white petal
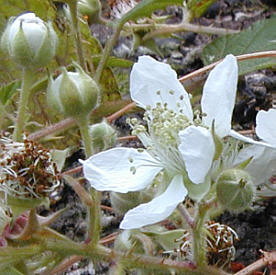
x=238, y=136
x=33, y=28
x=158, y=209
x=148, y=77
x=263, y=164
x=197, y=149
x=110, y=170
x=266, y=126
x=219, y=94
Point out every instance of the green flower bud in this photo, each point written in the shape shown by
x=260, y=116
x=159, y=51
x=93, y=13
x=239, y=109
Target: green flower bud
x=103, y=136
x=29, y=41
x=75, y=94
x=235, y=190
x=90, y=8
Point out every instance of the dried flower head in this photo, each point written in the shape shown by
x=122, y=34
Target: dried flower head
x=220, y=244
x=26, y=169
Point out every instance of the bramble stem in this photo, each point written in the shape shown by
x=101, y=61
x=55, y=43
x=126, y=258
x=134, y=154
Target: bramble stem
x=106, y=53
x=83, y=123
x=23, y=103
x=199, y=236
x=76, y=30
x=186, y=215
x=94, y=214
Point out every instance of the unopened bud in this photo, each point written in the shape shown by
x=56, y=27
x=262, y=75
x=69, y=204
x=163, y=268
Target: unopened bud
x=235, y=190
x=103, y=136
x=29, y=41
x=74, y=94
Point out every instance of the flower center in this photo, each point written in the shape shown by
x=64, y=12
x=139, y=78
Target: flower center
x=161, y=138
x=26, y=169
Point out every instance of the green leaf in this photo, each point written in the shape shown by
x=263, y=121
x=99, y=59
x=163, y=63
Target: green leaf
x=198, y=7
x=7, y=91
x=19, y=205
x=109, y=86
x=11, y=271
x=146, y=8
x=261, y=36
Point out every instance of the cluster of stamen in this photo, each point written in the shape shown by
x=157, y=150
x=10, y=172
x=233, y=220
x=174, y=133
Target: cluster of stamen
x=26, y=169
x=220, y=243
x=165, y=124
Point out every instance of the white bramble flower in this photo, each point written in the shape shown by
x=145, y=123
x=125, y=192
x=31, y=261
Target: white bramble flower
x=26, y=169
x=177, y=143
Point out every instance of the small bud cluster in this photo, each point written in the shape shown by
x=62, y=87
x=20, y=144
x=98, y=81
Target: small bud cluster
x=26, y=169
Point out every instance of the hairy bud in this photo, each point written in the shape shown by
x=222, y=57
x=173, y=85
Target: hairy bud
x=103, y=136
x=74, y=94
x=235, y=190
x=29, y=41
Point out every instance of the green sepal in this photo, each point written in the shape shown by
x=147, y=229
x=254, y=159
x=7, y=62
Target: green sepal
x=20, y=205
x=47, y=49
x=217, y=141
x=53, y=99
x=197, y=191
x=168, y=240
x=244, y=164
x=20, y=50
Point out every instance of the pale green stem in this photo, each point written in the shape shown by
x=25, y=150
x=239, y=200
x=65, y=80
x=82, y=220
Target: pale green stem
x=161, y=29
x=23, y=103
x=94, y=213
x=108, y=47
x=186, y=215
x=129, y=260
x=83, y=123
x=199, y=236
x=76, y=31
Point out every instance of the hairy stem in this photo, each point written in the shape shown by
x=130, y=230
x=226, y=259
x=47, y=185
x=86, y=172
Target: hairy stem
x=199, y=237
x=186, y=215
x=23, y=103
x=94, y=214
x=108, y=48
x=76, y=31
